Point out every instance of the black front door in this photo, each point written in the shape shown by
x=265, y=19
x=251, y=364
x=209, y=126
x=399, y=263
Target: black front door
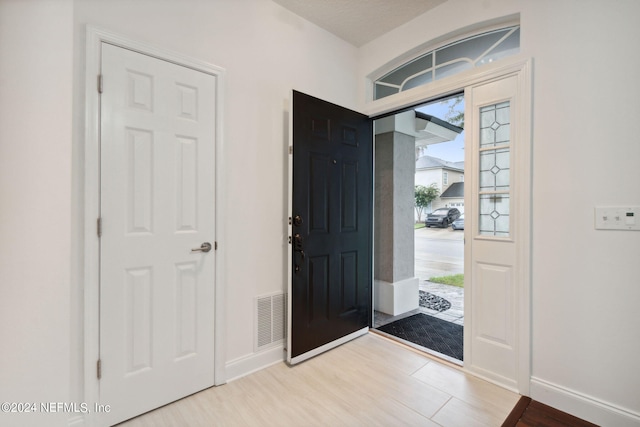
x=331, y=224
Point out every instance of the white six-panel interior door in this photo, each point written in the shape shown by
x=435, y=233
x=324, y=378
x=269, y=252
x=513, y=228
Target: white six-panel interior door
x=157, y=205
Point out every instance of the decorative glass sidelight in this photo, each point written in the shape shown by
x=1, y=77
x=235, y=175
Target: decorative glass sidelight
x=494, y=170
x=494, y=215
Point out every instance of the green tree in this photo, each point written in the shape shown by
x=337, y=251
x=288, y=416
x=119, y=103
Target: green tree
x=424, y=196
x=455, y=114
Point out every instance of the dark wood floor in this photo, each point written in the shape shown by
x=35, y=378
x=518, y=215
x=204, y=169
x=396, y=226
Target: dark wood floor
x=529, y=413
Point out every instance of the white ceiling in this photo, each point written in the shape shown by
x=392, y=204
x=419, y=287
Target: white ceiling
x=359, y=21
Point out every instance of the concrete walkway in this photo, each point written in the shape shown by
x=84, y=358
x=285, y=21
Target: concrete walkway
x=453, y=294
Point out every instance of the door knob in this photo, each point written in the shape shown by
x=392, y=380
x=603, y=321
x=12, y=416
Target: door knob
x=205, y=247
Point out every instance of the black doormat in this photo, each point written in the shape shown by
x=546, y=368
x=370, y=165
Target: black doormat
x=430, y=332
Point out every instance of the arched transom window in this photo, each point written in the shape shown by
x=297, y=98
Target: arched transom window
x=450, y=59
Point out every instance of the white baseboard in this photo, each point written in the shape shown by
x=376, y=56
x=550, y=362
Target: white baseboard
x=246, y=365
x=582, y=406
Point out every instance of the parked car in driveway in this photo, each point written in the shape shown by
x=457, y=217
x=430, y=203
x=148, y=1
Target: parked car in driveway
x=458, y=224
x=442, y=217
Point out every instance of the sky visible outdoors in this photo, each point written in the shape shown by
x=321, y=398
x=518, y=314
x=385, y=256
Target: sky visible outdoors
x=452, y=151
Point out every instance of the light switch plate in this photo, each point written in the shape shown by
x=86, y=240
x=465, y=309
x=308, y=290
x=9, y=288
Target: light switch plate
x=617, y=218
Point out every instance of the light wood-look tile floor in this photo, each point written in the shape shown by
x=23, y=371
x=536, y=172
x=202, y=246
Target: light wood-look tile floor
x=370, y=381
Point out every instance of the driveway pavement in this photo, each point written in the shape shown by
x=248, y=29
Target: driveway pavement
x=438, y=252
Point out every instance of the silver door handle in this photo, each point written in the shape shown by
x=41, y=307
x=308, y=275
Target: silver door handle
x=205, y=247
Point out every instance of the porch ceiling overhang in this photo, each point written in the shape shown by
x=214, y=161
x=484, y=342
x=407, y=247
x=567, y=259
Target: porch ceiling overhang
x=432, y=130
x=426, y=129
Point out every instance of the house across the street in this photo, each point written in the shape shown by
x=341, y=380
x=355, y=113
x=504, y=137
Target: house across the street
x=448, y=178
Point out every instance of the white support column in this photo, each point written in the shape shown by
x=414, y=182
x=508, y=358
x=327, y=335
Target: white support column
x=395, y=286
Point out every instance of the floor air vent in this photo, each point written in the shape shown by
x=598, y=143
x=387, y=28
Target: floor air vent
x=270, y=315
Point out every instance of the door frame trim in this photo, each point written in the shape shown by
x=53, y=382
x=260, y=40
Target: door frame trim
x=520, y=66
x=91, y=307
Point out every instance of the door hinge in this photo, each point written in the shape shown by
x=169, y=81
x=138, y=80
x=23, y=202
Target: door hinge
x=215, y=246
x=99, y=83
x=99, y=368
x=291, y=149
x=99, y=226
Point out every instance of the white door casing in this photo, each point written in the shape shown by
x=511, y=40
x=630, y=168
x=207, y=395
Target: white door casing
x=157, y=203
x=95, y=39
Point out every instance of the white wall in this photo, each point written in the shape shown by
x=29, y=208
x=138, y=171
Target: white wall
x=266, y=51
x=585, y=293
x=35, y=204
x=586, y=283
